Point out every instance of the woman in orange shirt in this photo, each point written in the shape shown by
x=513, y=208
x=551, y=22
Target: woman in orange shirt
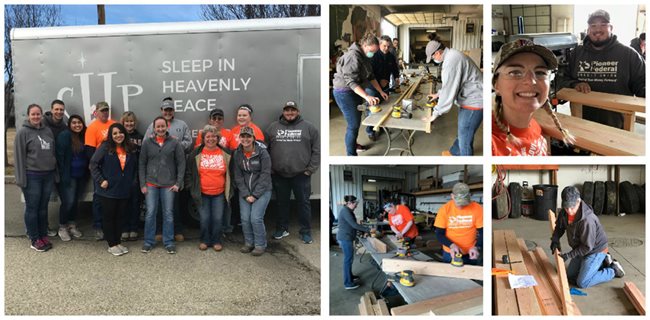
x=208, y=180
x=245, y=119
x=401, y=221
x=114, y=167
x=521, y=81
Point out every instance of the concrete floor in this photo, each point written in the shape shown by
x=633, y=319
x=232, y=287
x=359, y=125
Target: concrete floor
x=80, y=278
x=626, y=244
x=441, y=138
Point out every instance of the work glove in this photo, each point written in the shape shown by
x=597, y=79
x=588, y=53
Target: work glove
x=453, y=250
x=555, y=244
x=473, y=253
x=564, y=256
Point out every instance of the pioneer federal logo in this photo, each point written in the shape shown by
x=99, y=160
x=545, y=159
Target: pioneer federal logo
x=597, y=71
x=288, y=135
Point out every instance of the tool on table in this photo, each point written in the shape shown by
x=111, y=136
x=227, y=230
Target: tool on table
x=501, y=272
x=405, y=248
x=457, y=260
x=405, y=278
x=374, y=109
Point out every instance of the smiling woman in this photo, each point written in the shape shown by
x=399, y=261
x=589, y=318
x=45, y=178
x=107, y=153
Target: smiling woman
x=521, y=81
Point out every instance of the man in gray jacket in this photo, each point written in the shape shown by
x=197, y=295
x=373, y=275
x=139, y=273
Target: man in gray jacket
x=294, y=146
x=591, y=263
x=462, y=84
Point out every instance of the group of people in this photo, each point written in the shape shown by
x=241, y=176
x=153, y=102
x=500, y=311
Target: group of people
x=521, y=77
x=458, y=227
x=222, y=170
x=369, y=67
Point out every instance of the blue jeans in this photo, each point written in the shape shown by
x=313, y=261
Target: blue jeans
x=301, y=187
x=37, y=195
x=371, y=91
x=468, y=123
x=587, y=271
x=348, y=258
x=165, y=197
x=132, y=216
x=446, y=257
x=252, y=220
x=70, y=195
x=227, y=217
x=211, y=213
x=348, y=101
x=97, y=210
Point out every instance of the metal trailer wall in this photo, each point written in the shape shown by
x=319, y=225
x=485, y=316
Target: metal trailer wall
x=340, y=188
x=460, y=40
x=202, y=65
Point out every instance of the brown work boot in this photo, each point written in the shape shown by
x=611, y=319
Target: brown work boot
x=246, y=249
x=258, y=251
x=203, y=246
x=179, y=237
x=217, y=247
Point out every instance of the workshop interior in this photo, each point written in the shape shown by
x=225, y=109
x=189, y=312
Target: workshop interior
x=405, y=273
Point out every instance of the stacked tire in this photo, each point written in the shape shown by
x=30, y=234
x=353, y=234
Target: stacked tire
x=599, y=197
x=515, y=190
x=629, y=198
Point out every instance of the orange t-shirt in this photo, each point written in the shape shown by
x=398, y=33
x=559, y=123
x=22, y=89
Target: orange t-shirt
x=259, y=135
x=532, y=141
x=460, y=224
x=121, y=154
x=96, y=133
x=571, y=218
x=160, y=140
x=212, y=171
x=226, y=141
x=402, y=217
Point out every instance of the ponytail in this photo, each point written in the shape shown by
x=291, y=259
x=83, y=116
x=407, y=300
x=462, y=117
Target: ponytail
x=498, y=116
x=567, y=137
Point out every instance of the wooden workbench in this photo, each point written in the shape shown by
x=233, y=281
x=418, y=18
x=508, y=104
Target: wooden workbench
x=426, y=287
x=595, y=137
x=628, y=106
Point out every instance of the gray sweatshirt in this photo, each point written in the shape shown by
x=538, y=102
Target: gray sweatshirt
x=353, y=69
x=33, y=151
x=252, y=175
x=462, y=82
x=585, y=235
x=294, y=147
x=177, y=129
x=348, y=224
x=162, y=166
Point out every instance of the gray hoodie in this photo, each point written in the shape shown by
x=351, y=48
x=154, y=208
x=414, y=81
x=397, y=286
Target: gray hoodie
x=294, y=147
x=252, y=175
x=162, y=166
x=33, y=151
x=353, y=69
x=348, y=225
x=462, y=82
x=56, y=128
x=585, y=235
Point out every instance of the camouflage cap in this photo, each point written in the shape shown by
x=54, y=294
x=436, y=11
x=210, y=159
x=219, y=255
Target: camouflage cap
x=461, y=194
x=523, y=45
x=102, y=105
x=247, y=130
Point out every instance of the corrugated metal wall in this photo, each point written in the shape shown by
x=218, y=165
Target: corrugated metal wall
x=340, y=188
x=460, y=41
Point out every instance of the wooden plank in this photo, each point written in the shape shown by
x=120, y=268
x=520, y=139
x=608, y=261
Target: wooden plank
x=383, y=308
x=545, y=289
x=505, y=301
x=433, y=269
x=371, y=297
x=549, y=270
x=592, y=136
x=526, y=299
x=545, y=298
x=636, y=297
x=472, y=306
x=564, y=285
x=602, y=100
x=424, y=306
x=551, y=220
x=377, y=244
x=365, y=306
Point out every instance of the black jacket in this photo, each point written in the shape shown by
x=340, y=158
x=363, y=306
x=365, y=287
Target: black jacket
x=105, y=165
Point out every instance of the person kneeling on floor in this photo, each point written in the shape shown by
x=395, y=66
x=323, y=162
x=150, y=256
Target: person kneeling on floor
x=591, y=262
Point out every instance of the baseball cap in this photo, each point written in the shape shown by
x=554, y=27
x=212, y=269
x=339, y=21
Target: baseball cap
x=216, y=112
x=103, y=105
x=291, y=104
x=523, y=45
x=600, y=13
x=432, y=47
x=247, y=130
x=167, y=105
x=461, y=194
x=570, y=196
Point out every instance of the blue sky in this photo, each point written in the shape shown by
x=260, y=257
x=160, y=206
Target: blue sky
x=118, y=14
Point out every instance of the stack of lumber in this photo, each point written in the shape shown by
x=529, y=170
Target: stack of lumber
x=468, y=302
x=370, y=306
x=636, y=297
x=549, y=297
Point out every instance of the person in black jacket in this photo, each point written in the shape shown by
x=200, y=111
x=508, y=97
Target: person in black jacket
x=346, y=234
x=130, y=223
x=114, y=167
x=384, y=65
x=591, y=262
